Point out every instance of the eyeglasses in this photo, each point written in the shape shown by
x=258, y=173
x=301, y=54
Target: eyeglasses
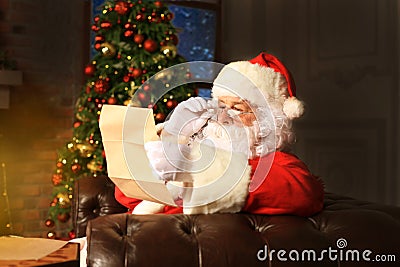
x=232, y=111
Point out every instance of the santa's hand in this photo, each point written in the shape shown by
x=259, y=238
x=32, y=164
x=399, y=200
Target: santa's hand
x=190, y=116
x=167, y=158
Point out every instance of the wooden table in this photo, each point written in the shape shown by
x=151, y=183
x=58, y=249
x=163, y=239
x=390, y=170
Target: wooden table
x=67, y=256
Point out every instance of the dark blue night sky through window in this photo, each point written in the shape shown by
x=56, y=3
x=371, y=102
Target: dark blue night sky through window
x=197, y=38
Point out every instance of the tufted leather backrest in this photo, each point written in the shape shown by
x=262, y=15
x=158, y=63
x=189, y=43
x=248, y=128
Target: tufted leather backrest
x=93, y=197
x=230, y=239
x=241, y=239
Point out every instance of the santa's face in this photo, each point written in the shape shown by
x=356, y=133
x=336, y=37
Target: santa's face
x=233, y=128
x=235, y=110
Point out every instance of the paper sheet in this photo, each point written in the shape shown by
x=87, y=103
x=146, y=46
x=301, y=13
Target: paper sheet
x=124, y=131
x=20, y=248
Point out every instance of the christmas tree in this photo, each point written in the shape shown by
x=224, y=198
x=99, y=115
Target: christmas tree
x=133, y=41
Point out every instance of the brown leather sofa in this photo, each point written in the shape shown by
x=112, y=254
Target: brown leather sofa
x=347, y=232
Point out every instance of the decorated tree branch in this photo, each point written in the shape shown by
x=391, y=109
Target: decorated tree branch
x=133, y=41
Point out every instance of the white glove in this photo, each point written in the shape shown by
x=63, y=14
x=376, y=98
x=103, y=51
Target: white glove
x=167, y=158
x=189, y=116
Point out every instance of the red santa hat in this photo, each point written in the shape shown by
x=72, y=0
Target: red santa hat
x=261, y=80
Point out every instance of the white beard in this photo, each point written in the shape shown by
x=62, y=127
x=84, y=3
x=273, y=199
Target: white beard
x=228, y=138
x=236, y=138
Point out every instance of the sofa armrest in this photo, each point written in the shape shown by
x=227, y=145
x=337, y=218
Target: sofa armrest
x=93, y=197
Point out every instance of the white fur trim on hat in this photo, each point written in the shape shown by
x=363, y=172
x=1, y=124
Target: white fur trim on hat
x=271, y=85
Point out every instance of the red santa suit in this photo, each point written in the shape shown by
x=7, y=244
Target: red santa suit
x=288, y=188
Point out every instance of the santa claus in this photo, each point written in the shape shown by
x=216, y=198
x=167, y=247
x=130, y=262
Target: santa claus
x=250, y=116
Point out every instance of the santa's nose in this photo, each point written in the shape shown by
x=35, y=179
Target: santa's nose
x=224, y=117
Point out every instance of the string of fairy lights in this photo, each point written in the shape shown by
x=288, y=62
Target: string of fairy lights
x=5, y=212
x=8, y=224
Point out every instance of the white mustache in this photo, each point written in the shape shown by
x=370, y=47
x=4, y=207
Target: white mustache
x=231, y=137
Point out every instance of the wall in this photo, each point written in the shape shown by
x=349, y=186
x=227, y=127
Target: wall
x=47, y=39
x=344, y=58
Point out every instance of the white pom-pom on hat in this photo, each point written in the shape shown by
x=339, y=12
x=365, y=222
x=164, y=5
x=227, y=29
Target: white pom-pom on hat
x=293, y=108
x=269, y=76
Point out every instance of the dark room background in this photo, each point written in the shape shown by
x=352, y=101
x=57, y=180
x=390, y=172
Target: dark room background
x=343, y=55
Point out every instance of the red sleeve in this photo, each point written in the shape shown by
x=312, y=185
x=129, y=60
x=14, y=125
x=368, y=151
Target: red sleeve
x=128, y=202
x=289, y=188
x=131, y=203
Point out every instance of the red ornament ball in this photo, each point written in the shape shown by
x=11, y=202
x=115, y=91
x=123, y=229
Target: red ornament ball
x=169, y=16
x=126, y=78
x=142, y=96
x=138, y=38
x=49, y=223
x=136, y=72
x=140, y=17
x=150, y=45
x=71, y=234
x=174, y=39
x=63, y=217
x=146, y=87
x=54, y=202
x=121, y=7
x=128, y=33
x=158, y=4
x=77, y=124
x=90, y=69
x=160, y=117
x=76, y=167
x=99, y=38
x=56, y=179
x=96, y=19
x=112, y=100
x=105, y=25
x=97, y=45
x=171, y=103
x=101, y=86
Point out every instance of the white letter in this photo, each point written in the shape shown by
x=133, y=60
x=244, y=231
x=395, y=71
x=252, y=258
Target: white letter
x=330, y=254
x=352, y=252
x=290, y=255
x=310, y=253
x=322, y=255
x=281, y=253
x=261, y=252
x=365, y=254
x=270, y=254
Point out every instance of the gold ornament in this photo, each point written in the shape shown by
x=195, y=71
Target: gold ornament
x=63, y=200
x=107, y=49
x=157, y=58
x=169, y=51
x=85, y=150
x=93, y=166
x=80, y=116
